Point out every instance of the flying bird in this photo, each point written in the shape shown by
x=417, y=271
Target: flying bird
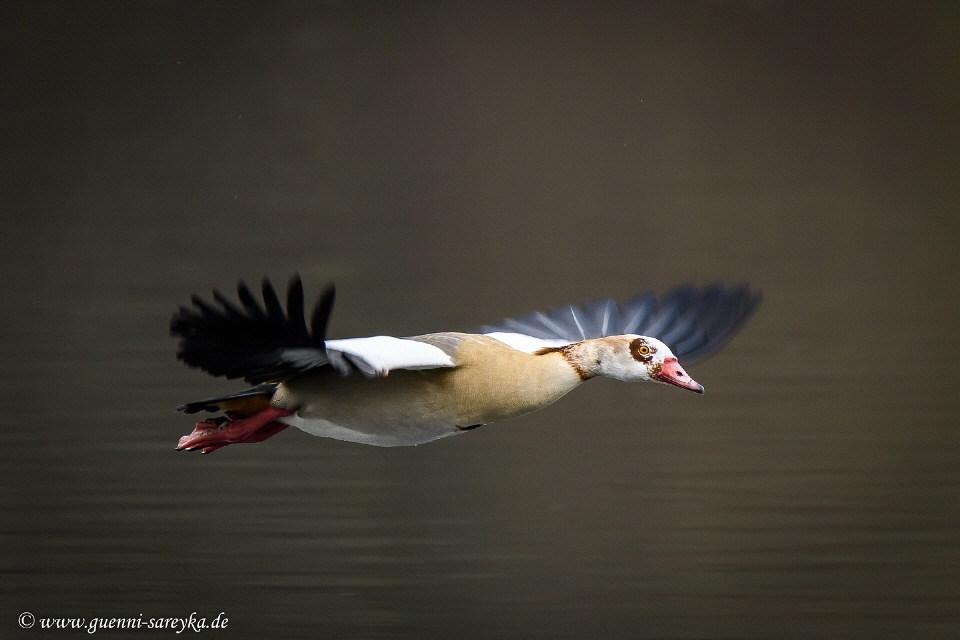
x=388, y=391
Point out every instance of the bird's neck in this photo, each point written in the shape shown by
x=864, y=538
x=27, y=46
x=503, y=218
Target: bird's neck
x=589, y=358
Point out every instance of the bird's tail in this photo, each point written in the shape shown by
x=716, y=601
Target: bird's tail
x=248, y=401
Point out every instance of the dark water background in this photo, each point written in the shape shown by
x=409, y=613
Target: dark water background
x=449, y=164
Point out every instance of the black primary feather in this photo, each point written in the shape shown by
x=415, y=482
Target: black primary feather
x=321, y=311
x=258, y=344
x=694, y=323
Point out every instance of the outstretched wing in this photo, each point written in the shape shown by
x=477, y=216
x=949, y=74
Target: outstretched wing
x=694, y=323
x=250, y=341
x=267, y=344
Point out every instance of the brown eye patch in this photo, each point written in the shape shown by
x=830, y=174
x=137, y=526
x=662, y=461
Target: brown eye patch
x=640, y=350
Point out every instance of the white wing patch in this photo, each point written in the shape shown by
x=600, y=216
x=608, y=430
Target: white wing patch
x=378, y=355
x=527, y=344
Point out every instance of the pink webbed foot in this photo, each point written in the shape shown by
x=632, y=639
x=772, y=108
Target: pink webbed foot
x=261, y=434
x=215, y=433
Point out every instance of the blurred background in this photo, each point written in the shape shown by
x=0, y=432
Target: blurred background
x=449, y=164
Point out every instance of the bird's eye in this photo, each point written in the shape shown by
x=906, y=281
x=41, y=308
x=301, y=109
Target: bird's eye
x=641, y=351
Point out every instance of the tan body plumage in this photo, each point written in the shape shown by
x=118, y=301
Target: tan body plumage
x=491, y=382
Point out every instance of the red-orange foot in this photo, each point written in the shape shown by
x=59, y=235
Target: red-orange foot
x=215, y=433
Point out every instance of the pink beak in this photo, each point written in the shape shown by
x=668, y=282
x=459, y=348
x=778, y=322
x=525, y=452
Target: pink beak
x=673, y=373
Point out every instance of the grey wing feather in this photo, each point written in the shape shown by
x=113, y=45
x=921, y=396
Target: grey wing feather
x=446, y=342
x=694, y=322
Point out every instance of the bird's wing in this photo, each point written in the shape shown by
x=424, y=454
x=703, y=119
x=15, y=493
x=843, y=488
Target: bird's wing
x=267, y=344
x=695, y=323
x=525, y=343
x=378, y=355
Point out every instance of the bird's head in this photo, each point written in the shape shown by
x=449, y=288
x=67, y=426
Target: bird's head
x=637, y=358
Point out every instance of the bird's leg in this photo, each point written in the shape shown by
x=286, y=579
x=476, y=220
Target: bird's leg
x=211, y=434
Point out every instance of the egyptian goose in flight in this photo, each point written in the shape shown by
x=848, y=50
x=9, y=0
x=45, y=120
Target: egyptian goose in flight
x=439, y=384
